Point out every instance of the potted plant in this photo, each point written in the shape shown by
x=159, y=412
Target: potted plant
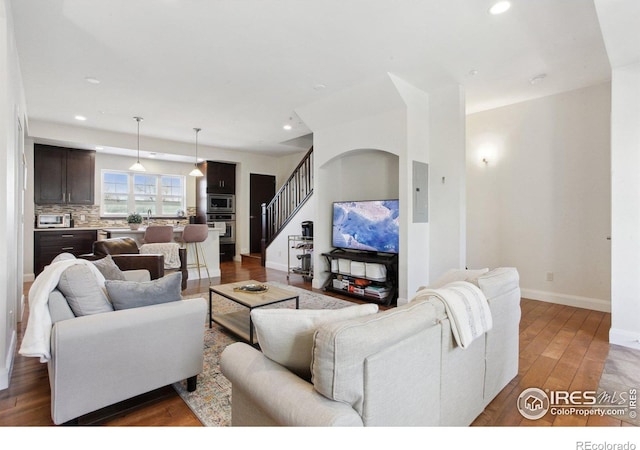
x=134, y=220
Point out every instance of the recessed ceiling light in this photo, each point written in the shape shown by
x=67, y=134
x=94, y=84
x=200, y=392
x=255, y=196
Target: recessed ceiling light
x=287, y=127
x=473, y=72
x=92, y=80
x=499, y=8
x=81, y=118
x=537, y=79
x=319, y=87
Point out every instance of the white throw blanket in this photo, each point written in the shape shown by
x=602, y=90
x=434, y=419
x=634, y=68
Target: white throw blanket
x=37, y=336
x=170, y=250
x=467, y=309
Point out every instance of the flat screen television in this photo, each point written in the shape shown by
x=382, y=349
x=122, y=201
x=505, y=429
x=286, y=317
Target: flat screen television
x=370, y=225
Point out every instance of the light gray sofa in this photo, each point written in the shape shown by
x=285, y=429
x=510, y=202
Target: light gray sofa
x=100, y=359
x=400, y=367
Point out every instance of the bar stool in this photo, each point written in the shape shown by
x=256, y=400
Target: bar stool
x=155, y=234
x=193, y=236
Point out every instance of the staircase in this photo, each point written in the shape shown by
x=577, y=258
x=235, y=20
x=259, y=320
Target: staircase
x=287, y=201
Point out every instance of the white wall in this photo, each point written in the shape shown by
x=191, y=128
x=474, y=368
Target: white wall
x=392, y=116
x=12, y=111
x=278, y=250
x=542, y=201
x=369, y=117
x=286, y=165
x=356, y=172
x=378, y=180
x=625, y=211
x=447, y=181
x=619, y=22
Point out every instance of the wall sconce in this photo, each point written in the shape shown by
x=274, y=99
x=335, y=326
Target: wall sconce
x=488, y=152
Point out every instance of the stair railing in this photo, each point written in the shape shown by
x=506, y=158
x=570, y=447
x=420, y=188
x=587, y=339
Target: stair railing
x=287, y=201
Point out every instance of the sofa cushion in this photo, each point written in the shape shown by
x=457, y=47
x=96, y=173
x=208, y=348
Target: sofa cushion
x=340, y=349
x=83, y=292
x=109, y=269
x=499, y=281
x=132, y=294
x=452, y=275
x=286, y=335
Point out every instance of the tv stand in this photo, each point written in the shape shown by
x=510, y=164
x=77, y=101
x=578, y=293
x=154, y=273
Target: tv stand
x=368, y=276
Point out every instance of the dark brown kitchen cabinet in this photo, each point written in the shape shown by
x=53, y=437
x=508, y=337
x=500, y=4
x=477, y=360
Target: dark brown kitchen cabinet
x=227, y=252
x=49, y=244
x=63, y=175
x=221, y=178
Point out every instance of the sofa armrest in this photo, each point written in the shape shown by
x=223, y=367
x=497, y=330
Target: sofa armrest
x=153, y=263
x=101, y=359
x=284, y=397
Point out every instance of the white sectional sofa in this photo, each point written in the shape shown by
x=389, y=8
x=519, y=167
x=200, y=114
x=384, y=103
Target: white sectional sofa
x=400, y=367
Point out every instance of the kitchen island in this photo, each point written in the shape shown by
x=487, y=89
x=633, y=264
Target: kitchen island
x=211, y=247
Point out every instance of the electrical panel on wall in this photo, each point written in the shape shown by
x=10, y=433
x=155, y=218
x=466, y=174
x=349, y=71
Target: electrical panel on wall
x=420, y=192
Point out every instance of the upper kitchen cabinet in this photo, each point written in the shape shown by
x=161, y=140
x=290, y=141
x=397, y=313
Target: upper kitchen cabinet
x=63, y=175
x=221, y=178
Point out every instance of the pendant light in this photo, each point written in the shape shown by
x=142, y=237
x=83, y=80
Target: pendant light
x=196, y=172
x=137, y=166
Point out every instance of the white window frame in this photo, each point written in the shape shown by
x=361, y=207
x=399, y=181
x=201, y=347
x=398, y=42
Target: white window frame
x=131, y=194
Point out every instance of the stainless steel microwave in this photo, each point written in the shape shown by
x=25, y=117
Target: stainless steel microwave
x=53, y=221
x=221, y=203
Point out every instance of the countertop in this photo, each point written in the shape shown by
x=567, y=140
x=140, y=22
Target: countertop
x=69, y=229
x=176, y=229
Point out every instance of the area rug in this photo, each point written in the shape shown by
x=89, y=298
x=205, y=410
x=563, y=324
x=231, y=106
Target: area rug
x=620, y=381
x=211, y=401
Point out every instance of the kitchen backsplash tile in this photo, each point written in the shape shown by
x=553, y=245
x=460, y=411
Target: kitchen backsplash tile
x=92, y=217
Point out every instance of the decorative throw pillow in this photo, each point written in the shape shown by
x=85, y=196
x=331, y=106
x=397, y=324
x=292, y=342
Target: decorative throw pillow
x=133, y=294
x=286, y=335
x=83, y=292
x=109, y=269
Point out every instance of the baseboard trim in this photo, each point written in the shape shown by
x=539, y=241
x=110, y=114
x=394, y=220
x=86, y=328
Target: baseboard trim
x=277, y=266
x=5, y=373
x=194, y=275
x=28, y=276
x=21, y=312
x=624, y=338
x=595, y=304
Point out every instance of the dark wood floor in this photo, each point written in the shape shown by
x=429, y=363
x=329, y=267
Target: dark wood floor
x=560, y=348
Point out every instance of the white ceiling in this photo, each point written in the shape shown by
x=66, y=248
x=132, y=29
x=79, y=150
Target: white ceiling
x=239, y=69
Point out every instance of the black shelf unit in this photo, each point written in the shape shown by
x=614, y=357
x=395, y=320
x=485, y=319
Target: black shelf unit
x=352, y=283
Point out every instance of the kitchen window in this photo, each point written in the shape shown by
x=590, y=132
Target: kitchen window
x=125, y=192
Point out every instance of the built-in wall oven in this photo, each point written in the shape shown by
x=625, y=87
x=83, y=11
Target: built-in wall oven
x=226, y=224
x=221, y=204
